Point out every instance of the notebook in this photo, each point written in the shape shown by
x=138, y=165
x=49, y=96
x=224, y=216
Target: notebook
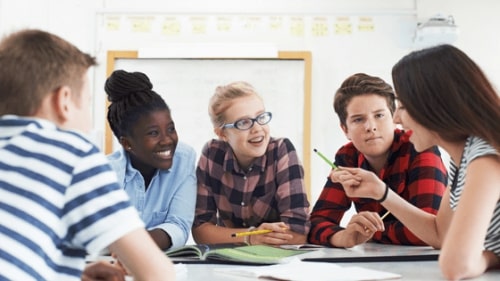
x=232, y=253
x=306, y=246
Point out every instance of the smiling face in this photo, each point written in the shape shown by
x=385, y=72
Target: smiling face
x=248, y=144
x=370, y=127
x=421, y=137
x=152, y=141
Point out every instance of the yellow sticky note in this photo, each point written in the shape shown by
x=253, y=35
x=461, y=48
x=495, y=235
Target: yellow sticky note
x=366, y=24
x=171, y=26
x=320, y=26
x=343, y=26
x=141, y=24
x=113, y=23
x=297, y=26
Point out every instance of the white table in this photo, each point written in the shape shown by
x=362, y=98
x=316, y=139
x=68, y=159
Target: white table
x=409, y=270
x=422, y=270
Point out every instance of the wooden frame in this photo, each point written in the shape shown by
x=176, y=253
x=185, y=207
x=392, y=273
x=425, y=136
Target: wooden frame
x=305, y=56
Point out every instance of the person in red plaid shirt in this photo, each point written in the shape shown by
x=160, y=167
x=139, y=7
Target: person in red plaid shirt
x=365, y=105
x=248, y=180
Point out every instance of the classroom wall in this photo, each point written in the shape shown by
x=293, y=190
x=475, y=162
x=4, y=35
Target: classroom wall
x=344, y=37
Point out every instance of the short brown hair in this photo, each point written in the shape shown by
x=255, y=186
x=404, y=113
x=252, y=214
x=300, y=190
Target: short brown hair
x=35, y=63
x=361, y=84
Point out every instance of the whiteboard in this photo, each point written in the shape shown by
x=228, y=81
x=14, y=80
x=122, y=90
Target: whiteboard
x=186, y=84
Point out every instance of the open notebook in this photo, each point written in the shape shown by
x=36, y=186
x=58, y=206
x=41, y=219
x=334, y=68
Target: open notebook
x=232, y=253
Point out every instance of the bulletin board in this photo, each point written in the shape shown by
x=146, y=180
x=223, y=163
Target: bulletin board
x=186, y=84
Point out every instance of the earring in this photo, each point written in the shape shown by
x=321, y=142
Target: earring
x=129, y=148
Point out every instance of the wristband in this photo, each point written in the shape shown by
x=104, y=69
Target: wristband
x=246, y=239
x=385, y=194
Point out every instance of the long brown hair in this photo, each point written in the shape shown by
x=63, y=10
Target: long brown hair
x=445, y=91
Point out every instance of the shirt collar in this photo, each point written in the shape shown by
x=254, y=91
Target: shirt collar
x=130, y=171
x=400, y=138
x=29, y=121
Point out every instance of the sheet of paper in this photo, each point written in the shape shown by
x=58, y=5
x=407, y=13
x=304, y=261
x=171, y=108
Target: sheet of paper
x=180, y=270
x=297, y=270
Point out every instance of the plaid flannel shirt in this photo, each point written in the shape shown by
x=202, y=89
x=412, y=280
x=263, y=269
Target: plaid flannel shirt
x=419, y=178
x=272, y=190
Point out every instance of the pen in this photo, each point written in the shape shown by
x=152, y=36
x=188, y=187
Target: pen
x=253, y=232
x=326, y=159
x=385, y=215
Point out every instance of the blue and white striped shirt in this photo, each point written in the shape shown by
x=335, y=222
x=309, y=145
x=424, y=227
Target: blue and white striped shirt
x=59, y=201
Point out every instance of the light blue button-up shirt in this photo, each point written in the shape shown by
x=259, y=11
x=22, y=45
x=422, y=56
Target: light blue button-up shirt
x=169, y=202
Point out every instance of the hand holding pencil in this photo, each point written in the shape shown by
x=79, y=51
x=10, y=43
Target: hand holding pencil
x=251, y=232
x=267, y=233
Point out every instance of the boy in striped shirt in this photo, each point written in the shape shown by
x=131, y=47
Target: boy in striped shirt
x=59, y=198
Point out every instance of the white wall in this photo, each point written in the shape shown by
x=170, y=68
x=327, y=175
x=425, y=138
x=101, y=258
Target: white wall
x=98, y=26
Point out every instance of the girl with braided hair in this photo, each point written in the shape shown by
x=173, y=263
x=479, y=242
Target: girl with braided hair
x=153, y=167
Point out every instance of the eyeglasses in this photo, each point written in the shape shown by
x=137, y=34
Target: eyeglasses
x=247, y=123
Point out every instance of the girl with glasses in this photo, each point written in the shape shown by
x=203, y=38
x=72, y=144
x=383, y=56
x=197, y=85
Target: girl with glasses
x=248, y=180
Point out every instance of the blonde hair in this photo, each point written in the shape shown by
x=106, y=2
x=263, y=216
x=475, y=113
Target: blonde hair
x=223, y=98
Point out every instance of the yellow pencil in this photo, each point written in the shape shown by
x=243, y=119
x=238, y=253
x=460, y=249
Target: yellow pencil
x=253, y=232
x=385, y=215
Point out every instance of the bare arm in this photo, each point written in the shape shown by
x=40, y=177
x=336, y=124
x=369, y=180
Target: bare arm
x=208, y=233
x=161, y=238
x=103, y=270
x=471, y=221
x=142, y=257
x=429, y=228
